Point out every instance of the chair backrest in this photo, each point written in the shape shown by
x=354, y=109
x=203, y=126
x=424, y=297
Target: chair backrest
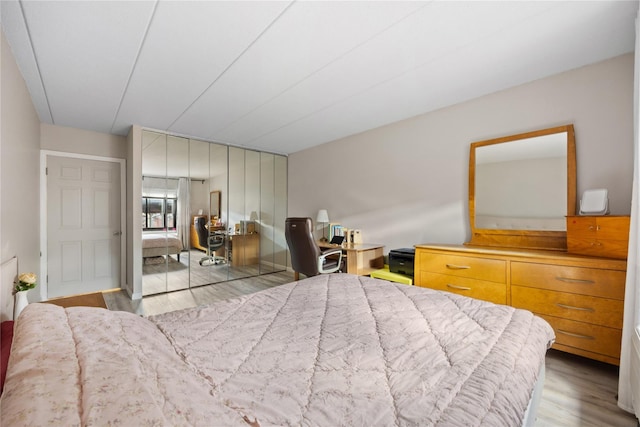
x=201, y=231
x=216, y=241
x=302, y=245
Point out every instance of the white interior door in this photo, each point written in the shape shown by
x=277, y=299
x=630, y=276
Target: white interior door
x=83, y=225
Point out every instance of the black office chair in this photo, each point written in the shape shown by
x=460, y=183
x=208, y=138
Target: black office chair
x=306, y=256
x=212, y=242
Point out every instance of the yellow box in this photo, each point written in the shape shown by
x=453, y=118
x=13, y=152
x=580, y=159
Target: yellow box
x=385, y=274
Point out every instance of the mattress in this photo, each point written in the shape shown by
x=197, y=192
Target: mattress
x=158, y=244
x=331, y=350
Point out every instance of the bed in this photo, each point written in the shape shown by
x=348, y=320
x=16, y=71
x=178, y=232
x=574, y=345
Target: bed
x=160, y=244
x=331, y=350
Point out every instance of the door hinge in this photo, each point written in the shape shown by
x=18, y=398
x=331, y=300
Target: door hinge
x=46, y=171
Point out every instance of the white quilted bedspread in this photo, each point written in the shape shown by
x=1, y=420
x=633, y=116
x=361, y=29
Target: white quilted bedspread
x=333, y=350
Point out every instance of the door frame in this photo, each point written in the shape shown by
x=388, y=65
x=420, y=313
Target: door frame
x=44, y=285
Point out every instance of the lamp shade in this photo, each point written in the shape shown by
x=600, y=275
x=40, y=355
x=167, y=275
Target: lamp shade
x=323, y=216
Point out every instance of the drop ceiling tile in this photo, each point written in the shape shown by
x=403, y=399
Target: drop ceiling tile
x=316, y=72
x=86, y=51
x=493, y=63
x=188, y=46
x=422, y=38
x=307, y=37
x=15, y=31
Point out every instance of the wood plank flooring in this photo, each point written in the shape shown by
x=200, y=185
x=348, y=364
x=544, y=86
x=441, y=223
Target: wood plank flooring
x=171, y=274
x=161, y=303
x=578, y=392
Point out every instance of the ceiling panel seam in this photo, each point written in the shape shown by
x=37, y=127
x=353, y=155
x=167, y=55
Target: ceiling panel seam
x=133, y=67
x=35, y=59
x=401, y=74
x=326, y=65
x=228, y=67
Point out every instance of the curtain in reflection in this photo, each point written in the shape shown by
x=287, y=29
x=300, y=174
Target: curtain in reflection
x=182, y=227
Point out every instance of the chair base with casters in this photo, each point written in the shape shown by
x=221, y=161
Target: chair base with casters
x=212, y=260
x=306, y=256
x=212, y=242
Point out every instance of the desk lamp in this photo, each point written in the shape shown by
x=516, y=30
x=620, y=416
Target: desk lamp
x=323, y=217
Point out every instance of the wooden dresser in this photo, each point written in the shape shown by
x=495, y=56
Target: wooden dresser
x=582, y=297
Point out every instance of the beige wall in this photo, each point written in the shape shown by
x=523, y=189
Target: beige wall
x=407, y=182
x=79, y=141
x=19, y=194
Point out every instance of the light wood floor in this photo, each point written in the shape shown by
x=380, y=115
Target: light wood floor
x=578, y=392
x=162, y=303
x=172, y=274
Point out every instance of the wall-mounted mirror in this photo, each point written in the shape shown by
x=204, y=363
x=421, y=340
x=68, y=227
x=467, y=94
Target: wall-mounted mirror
x=214, y=204
x=521, y=187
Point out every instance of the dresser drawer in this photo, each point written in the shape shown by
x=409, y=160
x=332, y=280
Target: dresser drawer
x=462, y=266
x=594, y=338
x=598, y=247
x=602, y=227
x=577, y=280
x=582, y=308
x=479, y=289
x=606, y=236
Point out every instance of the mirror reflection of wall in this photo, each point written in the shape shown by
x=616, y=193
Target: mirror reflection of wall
x=521, y=188
x=522, y=182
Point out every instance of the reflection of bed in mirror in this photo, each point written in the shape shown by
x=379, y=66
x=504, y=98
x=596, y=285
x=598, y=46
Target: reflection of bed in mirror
x=520, y=223
x=160, y=244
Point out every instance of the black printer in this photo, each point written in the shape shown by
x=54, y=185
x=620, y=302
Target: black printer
x=401, y=261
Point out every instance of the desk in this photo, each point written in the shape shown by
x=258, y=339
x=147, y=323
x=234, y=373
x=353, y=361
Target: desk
x=362, y=258
x=245, y=249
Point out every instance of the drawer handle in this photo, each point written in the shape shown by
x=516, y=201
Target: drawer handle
x=570, y=307
x=457, y=267
x=569, y=280
x=460, y=288
x=571, y=334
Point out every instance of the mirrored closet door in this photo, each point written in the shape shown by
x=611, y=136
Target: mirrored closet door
x=209, y=263
x=211, y=213
x=272, y=214
x=165, y=198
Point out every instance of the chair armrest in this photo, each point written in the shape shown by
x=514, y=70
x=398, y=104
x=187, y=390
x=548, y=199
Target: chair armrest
x=324, y=255
x=333, y=251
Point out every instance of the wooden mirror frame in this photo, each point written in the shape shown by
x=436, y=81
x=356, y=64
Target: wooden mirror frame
x=214, y=201
x=526, y=239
